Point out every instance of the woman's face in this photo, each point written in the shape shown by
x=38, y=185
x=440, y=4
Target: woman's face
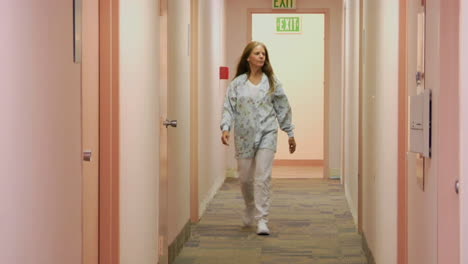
x=257, y=57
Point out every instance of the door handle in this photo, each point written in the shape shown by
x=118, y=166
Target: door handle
x=457, y=186
x=172, y=123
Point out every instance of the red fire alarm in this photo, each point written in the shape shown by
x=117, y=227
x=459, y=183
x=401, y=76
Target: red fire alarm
x=223, y=73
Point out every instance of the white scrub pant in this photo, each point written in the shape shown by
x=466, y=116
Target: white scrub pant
x=255, y=181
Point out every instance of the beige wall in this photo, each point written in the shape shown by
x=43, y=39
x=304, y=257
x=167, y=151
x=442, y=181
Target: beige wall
x=380, y=112
x=212, y=54
x=40, y=138
x=178, y=93
x=298, y=61
x=351, y=106
x=237, y=39
x=139, y=131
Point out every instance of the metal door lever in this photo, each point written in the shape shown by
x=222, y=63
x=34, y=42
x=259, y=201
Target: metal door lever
x=172, y=123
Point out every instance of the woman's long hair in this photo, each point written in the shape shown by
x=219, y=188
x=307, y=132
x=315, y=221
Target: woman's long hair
x=244, y=67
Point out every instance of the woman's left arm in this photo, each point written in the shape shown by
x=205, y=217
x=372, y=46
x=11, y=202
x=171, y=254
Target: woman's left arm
x=283, y=110
x=284, y=114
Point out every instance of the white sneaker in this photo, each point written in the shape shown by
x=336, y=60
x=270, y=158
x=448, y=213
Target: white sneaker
x=262, y=228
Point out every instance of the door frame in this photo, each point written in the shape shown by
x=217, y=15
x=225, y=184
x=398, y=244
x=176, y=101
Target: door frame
x=326, y=98
x=90, y=129
x=402, y=203
x=109, y=121
x=194, y=134
x=463, y=131
x=163, y=224
x=360, y=122
x=343, y=90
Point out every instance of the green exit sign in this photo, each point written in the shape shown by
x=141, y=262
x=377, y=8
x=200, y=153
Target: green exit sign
x=288, y=24
x=284, y=4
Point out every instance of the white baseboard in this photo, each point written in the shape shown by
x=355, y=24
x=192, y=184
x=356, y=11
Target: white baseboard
x=211, y=193
x=352, y=208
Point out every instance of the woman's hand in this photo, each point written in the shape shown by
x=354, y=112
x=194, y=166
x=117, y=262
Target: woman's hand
x=292, y=145
x=225, y=138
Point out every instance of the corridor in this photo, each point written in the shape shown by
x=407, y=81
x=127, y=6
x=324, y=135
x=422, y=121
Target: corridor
x=310, y=223
x=110, y=117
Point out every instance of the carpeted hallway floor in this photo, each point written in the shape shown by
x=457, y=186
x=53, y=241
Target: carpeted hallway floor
x=309, y=221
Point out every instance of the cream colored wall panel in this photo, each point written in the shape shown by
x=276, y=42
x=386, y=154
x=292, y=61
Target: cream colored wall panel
x=139, y=131
x=212, y=47
x=351, y=111
x=380, y=113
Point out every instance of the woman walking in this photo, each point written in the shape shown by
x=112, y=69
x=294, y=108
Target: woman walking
x=256, y=103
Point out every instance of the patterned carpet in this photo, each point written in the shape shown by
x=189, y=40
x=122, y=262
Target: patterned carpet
x=309, y=221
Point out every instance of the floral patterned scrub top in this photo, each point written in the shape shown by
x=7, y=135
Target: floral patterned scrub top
x=254, y=112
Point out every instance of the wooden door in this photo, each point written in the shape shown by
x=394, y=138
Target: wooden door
x=40, y=112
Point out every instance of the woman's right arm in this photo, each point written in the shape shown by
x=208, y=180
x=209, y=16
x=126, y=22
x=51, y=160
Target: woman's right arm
x=227, y=118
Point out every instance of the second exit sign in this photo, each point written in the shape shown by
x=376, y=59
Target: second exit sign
x=288, y=24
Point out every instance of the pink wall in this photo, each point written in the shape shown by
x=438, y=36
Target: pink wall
x=422, y=205
x=40, y=157
x=433, y=214
x=448, y=135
